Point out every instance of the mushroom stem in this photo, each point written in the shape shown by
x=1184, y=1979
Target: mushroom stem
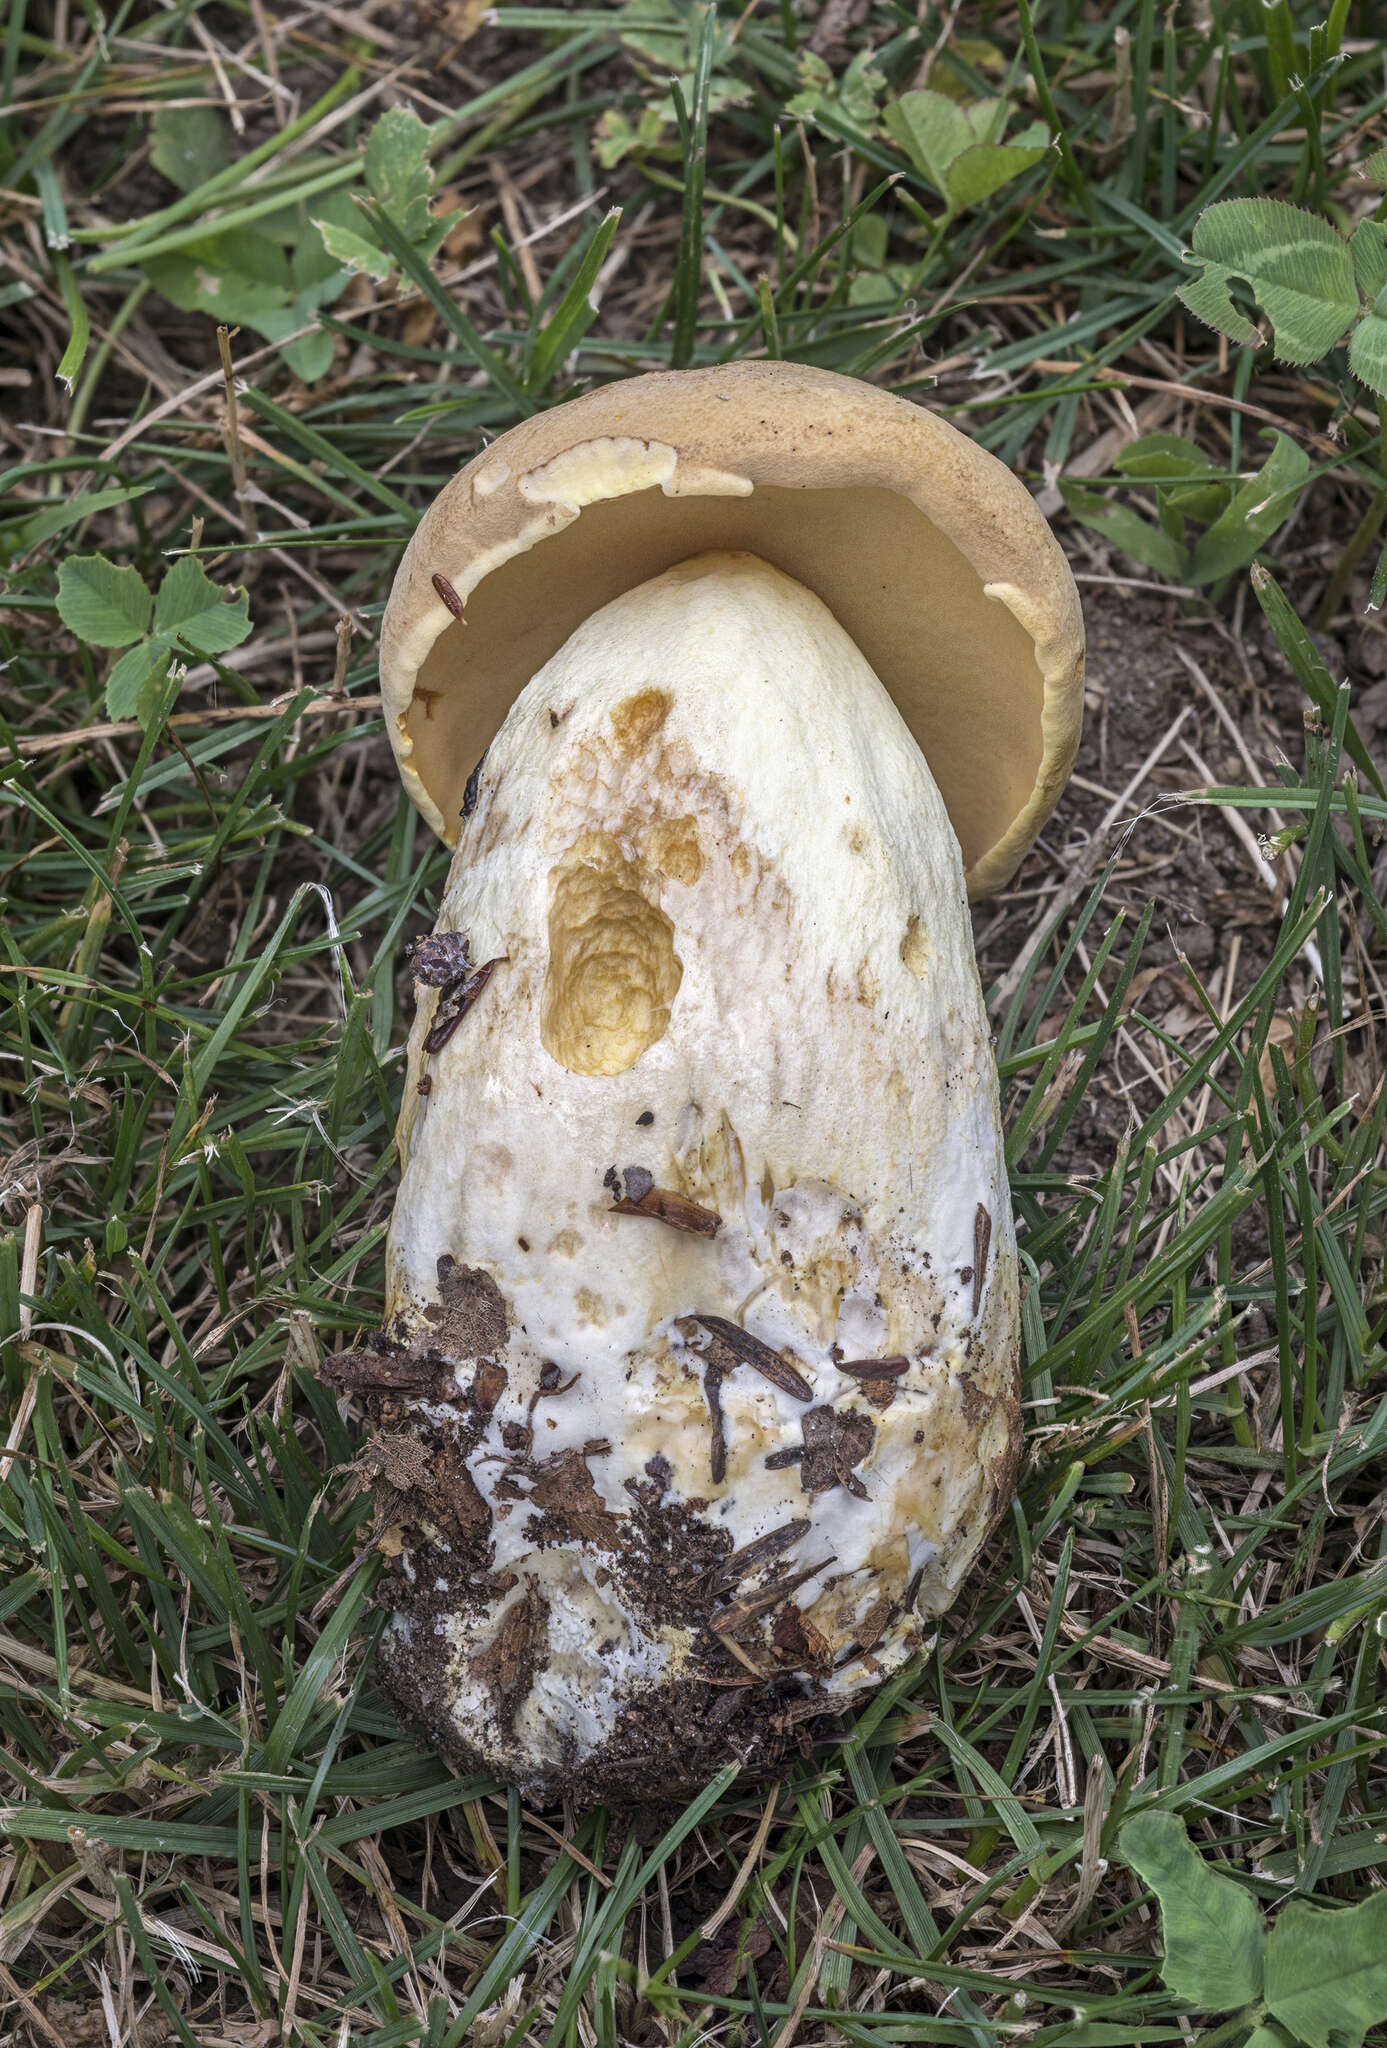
x=736, y=968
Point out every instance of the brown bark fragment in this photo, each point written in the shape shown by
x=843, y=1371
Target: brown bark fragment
x=508, y=1663
x=798, y=1643
x=893, y=1368
x=662, y=1205
x=565, y=1493
x=982, y=1241
x=752, y=1556
x=469, y=1317
x=874, y=1624
x=369, y=1372
x=834, y=1440
x=489, y=1385
x=744, y=1349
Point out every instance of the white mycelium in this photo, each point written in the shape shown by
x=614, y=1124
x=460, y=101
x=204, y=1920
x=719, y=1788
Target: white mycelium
x=735, y=956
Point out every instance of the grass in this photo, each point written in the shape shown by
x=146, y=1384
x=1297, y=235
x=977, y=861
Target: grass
x=212, y=1830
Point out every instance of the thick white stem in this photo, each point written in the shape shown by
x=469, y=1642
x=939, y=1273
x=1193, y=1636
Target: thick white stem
x=737, y=969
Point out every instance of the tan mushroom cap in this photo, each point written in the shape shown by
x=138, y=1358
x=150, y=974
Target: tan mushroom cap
x=929, y=552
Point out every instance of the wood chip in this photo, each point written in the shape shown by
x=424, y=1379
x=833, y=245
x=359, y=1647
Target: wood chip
x=712, y=1387
x=749, y=1350
x=742, y=1611
x=456, y=1001
x=892, y=1368
x=752, y=1556
x=667, y=1207
x=982, y=1241
x=369, y=1371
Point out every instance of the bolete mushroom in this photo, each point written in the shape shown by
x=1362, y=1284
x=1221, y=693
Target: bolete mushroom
x=698, y=1387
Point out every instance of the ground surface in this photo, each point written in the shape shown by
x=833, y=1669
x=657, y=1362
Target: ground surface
x=212, y=1829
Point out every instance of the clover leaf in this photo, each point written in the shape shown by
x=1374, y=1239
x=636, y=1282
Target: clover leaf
x=106, y=606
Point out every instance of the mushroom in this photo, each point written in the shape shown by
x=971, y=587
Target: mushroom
x=698, y=1387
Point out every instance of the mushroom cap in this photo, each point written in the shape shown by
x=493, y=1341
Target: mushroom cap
x=734, y=968
x=927, y=550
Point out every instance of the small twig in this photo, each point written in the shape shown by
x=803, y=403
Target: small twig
x=509, y=198
x=269, y=647
x=344, y=641
x=1134, y=582
x=730, y=1619
x=214, y=58
x=569, y=1849
x=1090, y=1637
x=83, y=1684
x=1105, y=374
x=226, y=714
x=235, y=453
x=266, y=41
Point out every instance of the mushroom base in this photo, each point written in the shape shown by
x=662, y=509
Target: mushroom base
x=711, y=1659
x=667, y=1740
x=664, y=1749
